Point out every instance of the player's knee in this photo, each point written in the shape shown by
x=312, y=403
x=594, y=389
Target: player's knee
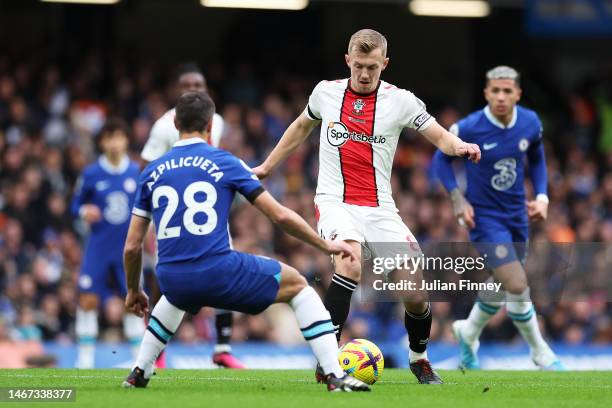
x=291, y=283
x=516, y=286
x=417, y=304
x=298, y=283
x=347, y=268
x=88, y=301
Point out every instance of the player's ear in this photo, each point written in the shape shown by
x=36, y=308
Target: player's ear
x=519, y=93
x=385, y=63
x=209, y=127
x=347, y=58
x=176, y=123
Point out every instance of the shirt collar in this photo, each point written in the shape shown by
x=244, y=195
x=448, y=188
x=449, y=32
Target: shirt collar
x=110, y=168
x=187, y=142
x=496, y=122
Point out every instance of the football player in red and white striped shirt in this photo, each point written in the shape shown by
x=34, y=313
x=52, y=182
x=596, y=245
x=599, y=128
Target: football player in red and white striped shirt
x=362, y=118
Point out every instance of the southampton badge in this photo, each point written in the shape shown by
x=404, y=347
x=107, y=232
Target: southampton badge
x=358, y=106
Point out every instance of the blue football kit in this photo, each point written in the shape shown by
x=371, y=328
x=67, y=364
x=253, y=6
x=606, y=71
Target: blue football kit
x=495, y=186
x=112, y=189
x=188, y=193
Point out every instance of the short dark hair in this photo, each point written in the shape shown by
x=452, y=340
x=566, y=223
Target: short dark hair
x=112, y=125
x=188, y=68
x=194, y=110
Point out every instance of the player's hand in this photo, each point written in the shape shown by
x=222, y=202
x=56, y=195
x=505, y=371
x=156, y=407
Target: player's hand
x=137, y=303
x=261, y=171
x=463, y=209
x=537, y=210
x=90, y=213
x=469, y=150
x=340, y=248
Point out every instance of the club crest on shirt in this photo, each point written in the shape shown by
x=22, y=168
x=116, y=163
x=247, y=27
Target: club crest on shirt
x=523, y=145
x=129, y=185
x=358, y=106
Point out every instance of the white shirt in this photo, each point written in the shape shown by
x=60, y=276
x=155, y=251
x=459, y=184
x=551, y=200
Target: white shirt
x=359, y=135
x=164, y=134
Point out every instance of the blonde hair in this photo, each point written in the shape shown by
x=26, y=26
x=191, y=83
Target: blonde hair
x=366, y=41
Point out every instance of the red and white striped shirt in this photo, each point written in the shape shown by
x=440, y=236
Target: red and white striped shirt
x=359, y=135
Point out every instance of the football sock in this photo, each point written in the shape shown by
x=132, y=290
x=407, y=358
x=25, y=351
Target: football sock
x=418, y=327
x=223, y=323
x=133, y=328
x=338, y=301
x=316, y=326
x=521, y=311
x=86, y=328
x=487, y=304
x=164, y=321
x=478, y=318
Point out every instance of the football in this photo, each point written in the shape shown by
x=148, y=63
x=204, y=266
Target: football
x=362, y=359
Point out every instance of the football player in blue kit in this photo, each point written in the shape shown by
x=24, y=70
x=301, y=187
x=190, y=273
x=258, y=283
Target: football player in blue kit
x=103, y=197
x=496, y=211
x=188, y=193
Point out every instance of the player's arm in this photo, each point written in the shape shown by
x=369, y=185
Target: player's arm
x=449, y=143
x=443, y=168
x=293, y=137
x=537, y=209
x=157, y=143
x=136, y=301
x=80, y=206
x=295, y=225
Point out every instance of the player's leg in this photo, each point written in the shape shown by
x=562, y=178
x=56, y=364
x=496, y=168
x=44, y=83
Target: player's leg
x=163, y=323
x=315, y=323
x=154, y=295
x=388, y=237
x=133, y=326
x=519, y=306
x=224, y=320
x=468, y=331
x=347, y=275
x=417, y=321
x=86, y=329
x=335, y=222
x=91, y=284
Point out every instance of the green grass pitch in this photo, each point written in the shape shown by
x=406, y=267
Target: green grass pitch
x=297, y=388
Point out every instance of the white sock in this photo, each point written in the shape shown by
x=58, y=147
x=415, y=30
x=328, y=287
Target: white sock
x=487, y=304
x=164, y=321
x=316, y=325
x=414, y=356
x=478, y=318
x=133, y=328
x=86, y=328
x=521, y=311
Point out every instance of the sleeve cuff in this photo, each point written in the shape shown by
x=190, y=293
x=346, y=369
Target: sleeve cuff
x=543, y=198
x=141, y=213
x=311, y=114
x=252, y=196
x=423, y=122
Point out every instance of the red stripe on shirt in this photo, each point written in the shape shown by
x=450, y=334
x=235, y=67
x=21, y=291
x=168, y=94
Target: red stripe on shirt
x=357, y=158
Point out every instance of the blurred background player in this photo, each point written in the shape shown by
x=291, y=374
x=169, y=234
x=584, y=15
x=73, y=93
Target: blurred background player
x=362, y=120
x=163, y=136
x=103, y=198
x=494, y=210
x=189, y=192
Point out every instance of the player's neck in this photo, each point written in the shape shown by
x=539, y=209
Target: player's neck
x=191, y=135
x=114, y=160
x=504, y=119
x=360, y=92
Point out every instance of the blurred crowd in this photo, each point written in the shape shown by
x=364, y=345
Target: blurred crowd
x=48, y=120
